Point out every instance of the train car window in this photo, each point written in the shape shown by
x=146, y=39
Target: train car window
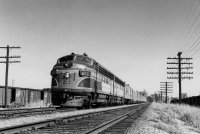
x=65, y=59
x=83, y=60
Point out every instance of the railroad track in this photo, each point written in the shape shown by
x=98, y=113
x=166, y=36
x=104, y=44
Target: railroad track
x=13, y=113
x=121, y=125
x=90, y=123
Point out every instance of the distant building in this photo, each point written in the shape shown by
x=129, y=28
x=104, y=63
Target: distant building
x=144, y=93
x=184, y=95
x=158, y=98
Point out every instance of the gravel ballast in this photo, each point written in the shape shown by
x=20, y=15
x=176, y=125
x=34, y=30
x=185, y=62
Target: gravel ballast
x=36, y=118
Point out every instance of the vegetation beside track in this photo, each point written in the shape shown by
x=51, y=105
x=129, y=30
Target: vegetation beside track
x=163, y=118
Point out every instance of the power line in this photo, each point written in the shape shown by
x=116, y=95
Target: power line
x=192, y=34
x=190, y=25
x=194, y=44
x=194, y=47
x=187, y=22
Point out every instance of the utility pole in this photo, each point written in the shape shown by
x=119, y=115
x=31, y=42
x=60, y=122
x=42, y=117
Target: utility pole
x=179, y=75
x=7, y=57
x=161, y=94
x=179, y=72
x=165, y=87
x=155, y=97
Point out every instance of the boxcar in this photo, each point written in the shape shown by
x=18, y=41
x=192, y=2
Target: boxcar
x=25, y=97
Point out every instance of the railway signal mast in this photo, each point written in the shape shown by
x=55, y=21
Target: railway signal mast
x=180, y=68
x=8, y=57
x=165, y=87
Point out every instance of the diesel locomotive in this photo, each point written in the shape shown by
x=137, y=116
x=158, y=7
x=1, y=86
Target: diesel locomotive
x=80, y=81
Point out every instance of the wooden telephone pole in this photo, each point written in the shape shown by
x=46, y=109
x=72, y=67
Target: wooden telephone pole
x=165, y=87
x=7, y=57
x=179, y=72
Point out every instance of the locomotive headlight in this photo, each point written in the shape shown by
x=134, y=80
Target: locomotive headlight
x=67, y=75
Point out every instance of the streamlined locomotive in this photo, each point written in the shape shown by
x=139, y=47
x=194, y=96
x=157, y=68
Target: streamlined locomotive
x=80, y=81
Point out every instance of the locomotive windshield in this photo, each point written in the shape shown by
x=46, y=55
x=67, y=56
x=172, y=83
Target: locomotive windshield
x=65, y=59
x=83, y=60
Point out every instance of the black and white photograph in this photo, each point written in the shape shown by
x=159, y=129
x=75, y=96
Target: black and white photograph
x=100, y=66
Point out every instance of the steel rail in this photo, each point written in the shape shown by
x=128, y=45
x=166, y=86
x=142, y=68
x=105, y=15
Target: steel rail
x=49, y=122
x=110, y=123
x=29, y=126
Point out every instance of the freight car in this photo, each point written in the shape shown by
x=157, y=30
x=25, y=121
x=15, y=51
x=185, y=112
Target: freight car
x=80, y=81
x=193, y=101
x=25, y=97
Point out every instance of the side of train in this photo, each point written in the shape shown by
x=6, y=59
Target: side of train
x=80, y=81
x=25, y=97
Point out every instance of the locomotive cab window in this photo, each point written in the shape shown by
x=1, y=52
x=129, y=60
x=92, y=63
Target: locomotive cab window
x=83, y=60
x=65, y=59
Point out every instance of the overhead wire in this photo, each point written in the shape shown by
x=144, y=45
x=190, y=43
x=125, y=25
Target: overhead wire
x=187, y=24
x=193, y=39
x=193, y=47
x=194, y=31
x=190, y=32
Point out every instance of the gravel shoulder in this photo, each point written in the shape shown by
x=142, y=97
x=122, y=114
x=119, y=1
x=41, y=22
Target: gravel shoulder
x=158, y=119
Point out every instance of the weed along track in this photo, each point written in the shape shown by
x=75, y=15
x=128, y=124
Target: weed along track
x=91, y=122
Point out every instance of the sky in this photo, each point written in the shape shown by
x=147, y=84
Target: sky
x=131, y=38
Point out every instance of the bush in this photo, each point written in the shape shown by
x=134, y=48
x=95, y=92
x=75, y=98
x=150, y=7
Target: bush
x=172, y=117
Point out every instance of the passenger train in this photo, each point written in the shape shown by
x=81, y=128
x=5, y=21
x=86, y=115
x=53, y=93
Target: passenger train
x=80, y=81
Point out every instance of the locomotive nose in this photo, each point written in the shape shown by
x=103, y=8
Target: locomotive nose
x=54, y=72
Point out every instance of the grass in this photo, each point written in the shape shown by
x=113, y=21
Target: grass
x=174, y=118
